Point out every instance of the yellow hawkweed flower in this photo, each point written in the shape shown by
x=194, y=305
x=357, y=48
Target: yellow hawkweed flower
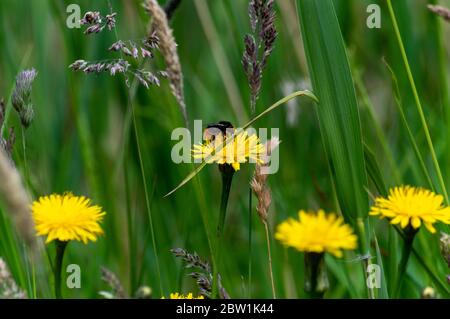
x=67, y=217
x=177, y=295
x=220, y=151
x=317, y=233
x=406, y=205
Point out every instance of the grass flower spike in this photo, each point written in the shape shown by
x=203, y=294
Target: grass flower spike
x=244, y=147
x=67, y=217
x=406, y=205
x=317, y=233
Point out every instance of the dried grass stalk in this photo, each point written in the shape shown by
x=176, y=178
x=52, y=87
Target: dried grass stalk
x=260, y=188
x=259, y=181
x=16, y=200
x=168, y=49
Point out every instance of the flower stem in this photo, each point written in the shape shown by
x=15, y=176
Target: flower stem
x=249, y=284
x=24, y=149
x=60, y=249
x=227, y=177
x=410, y=234
x=316, y=281
x=266, y=227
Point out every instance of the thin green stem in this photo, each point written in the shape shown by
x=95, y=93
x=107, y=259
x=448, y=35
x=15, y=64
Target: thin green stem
x=314, y=266
x=407, y=248
x=362, y=225
x=24, y=149
x=227, y=172
x=130, y=228
x=60, y=249
x=249, y=284
x=417, y=100
x=227, y=178
x=378, y=129
x=272, y=282
x=370, y=291
x=144, y=179
x=147, y=201
x=33, y=279
x=398, y=103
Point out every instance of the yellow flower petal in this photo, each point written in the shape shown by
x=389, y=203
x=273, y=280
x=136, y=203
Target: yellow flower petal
x=415, y=222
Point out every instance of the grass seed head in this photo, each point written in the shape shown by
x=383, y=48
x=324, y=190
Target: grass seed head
x=168, y=48
x=445, y=247
x=21, y=97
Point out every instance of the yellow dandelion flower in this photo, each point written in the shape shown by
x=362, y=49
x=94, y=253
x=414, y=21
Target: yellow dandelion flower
x=406, y=205
x=177, y=295
x=317, y=233
x=67, y=217
x=244, y=147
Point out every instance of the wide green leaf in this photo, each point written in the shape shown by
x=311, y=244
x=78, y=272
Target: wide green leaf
x=337, y=111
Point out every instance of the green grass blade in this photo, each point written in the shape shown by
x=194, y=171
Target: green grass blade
x=418, y=103
x=338, y=111
x=381, y=137
x=412, y=140
x=383, y=293
x=374, y=171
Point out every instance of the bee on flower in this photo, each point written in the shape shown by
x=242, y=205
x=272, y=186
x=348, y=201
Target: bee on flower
x=224, y=146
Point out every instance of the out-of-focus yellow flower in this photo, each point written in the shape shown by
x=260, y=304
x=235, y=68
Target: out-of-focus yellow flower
x=317, y=233
x=177, y=295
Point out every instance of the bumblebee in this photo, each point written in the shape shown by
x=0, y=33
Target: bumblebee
x=217, y=131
